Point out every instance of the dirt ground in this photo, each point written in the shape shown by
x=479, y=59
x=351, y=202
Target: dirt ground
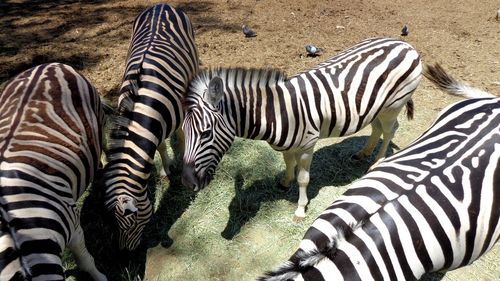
x=93, y=36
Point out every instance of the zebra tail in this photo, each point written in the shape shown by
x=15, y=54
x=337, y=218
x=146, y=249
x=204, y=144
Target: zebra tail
x=299, y=263
x=302, y=260
x=437, y=75
x=410, y=109
x=287, y=271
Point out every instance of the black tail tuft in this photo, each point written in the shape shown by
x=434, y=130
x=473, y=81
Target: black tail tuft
x=437, y=75
x=285, y=272
x=410, y=109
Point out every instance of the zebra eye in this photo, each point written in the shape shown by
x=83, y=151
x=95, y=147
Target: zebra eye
x=206, y=134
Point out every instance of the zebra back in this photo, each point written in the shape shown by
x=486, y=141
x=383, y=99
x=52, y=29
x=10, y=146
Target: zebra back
x=50, y=145
x=162, y=59
x=430, y=207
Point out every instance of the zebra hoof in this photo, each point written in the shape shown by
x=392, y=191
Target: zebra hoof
x=297, y=218
x=283, y=187
x=358, y=157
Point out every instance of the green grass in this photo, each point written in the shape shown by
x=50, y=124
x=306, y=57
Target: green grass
x=243, y=220
x=241, y=224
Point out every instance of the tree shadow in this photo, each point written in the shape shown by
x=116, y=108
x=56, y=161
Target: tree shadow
x=202, y=16
x=35, y=32
x=331, y=165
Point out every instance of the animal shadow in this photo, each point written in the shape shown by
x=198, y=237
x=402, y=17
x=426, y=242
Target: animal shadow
x=174, y=200
x=101, y=230
x=101, y=239
x=331, y=165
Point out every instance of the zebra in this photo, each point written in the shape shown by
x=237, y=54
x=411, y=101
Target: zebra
x=368, y=83
x=433, y=206
x=161, y=60
x=50, y=147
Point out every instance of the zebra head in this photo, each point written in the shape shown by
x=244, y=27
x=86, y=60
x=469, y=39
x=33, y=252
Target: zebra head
x=132, y=212
x=208, y=134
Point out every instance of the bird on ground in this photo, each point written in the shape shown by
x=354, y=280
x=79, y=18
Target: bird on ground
x=313, y=51
x=248, y=31
x=405, y=30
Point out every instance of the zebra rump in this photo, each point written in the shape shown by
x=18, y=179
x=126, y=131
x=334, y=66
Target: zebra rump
x=50, y=147
x=433, y=206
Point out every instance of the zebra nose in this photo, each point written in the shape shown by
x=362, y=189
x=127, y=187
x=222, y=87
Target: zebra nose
x=188, y=177
x=129, y=213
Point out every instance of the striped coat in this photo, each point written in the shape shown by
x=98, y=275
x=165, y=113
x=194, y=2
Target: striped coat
x=433, y=206
x=368, y=83
x=162, y=59
x=50, y=146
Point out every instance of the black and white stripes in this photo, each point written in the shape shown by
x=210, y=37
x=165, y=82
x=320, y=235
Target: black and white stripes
x=50, y=147
x=368, y=83
x=161, y=61
x=432, y=206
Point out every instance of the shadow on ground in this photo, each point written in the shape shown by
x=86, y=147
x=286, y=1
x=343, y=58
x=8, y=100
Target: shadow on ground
x=102, y=242
x=82, y=34
x=101, y=230
x=331, y=165
x=71, y=32
x=173, y=203
x=434, y=276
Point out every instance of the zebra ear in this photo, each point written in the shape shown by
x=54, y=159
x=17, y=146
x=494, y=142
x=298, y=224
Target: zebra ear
x=215, y=91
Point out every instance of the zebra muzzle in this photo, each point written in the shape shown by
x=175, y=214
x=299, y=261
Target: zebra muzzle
x=189, y=178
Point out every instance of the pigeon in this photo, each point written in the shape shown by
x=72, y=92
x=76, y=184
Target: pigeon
x=405, y=30
x=313, y=51
x=248, y=31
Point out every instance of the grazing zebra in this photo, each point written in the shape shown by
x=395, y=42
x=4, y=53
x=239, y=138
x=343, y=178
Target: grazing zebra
x=50, y=147
x=432, y=206
x=162, y=59
x=368, y=83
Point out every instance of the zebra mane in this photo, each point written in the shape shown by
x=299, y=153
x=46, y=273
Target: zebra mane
x=303, y=260
x=271, y=77
x=118, y=120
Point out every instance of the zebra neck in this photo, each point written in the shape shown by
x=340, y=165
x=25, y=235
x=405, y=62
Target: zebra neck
x=255, y=116
x=122, y=168
x=264, y=105
x=130, y=152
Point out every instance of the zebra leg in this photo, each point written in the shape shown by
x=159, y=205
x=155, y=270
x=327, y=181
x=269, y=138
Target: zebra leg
x=372, y=140
x=162, y=149
x=389, y=129
x=84, y=260
x=389, y=124
x=304, y=165
x=290, y=163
